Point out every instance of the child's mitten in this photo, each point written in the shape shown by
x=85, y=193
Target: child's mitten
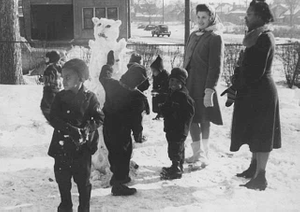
x=208, y=97
x=231, y=94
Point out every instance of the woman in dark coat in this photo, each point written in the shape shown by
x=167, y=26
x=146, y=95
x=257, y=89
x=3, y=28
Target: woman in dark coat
x=256, y=120
x=203, y=60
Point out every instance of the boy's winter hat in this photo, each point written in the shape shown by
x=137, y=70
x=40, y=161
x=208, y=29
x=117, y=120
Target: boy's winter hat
x=157, y=64
x=134, y=76
x=53, y=56
x=78, y=66
x=179, y=73
x=135, y=58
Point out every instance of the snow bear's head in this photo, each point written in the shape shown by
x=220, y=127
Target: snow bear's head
x=106, y=28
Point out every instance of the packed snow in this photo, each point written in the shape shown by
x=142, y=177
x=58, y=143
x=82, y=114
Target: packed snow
x=27, y=180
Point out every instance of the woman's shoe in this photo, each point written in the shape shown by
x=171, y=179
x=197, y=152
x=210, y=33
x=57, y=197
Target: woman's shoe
x=250, y=172
x=258, y=183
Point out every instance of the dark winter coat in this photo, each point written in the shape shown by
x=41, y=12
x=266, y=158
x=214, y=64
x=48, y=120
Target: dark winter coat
x=70, y=112
x=52, y=86
x=143, y=87
x=161, y=82
x=160, y=86
x=178, y=111
x=256, y=120
x=203, y=59
x=120, y=108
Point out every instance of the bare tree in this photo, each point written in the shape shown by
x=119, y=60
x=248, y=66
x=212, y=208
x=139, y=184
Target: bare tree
x=149, y=7
x=10, y=49
x=292, y=6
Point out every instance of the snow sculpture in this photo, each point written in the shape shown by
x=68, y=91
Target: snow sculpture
x=106, y=33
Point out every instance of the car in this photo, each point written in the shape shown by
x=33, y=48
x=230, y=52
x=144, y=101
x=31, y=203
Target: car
x=161, y=30
x=141, y=26
x=150, y=27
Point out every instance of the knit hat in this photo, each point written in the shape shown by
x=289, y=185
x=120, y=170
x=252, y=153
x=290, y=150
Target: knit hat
x=157, y=64
x=179, y=73
x=135, y=58
x=134, y=76
x=78, y=66
x=53, y=57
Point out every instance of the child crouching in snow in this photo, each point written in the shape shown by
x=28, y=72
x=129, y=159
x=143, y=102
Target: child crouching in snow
x=122, y=102
x=178, y=111
x=75, y=116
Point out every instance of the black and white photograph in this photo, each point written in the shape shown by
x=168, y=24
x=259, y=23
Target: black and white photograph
x=149, y=105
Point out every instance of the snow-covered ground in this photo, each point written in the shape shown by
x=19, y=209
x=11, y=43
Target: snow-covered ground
x=27, y=180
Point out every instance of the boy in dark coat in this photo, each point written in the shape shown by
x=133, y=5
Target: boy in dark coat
x=159, y=86
x=137, y=127
x=75, y=116
x=123, y=101
x=178, y=111
x=51, y=80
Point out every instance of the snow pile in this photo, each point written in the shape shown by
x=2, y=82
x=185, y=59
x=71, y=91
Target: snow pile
x=27, y=180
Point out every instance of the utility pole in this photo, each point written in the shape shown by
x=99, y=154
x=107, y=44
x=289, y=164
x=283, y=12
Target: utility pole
x=163, y=11
x=187, y=21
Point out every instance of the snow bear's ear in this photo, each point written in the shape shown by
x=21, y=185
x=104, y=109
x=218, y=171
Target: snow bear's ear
x=118, y=23
x=95, y=20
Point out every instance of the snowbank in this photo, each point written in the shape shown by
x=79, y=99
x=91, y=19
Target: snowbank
x=27, y=179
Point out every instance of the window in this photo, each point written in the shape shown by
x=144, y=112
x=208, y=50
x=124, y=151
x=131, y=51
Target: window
x=100, y=12
x=112, y=13
x=89, y=13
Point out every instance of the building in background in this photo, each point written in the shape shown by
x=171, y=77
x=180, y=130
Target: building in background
x=70, y=20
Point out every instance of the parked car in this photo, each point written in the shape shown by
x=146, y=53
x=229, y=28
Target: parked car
x=150, y=27
x=141, y=26
x=161, y=30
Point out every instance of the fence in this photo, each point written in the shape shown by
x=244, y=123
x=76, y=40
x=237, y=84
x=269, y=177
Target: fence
x=286, y=60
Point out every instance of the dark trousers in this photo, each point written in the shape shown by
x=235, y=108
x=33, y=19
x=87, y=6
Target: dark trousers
x=80, y=169
x=117, y=138
x=137, y=126
x=176, y=146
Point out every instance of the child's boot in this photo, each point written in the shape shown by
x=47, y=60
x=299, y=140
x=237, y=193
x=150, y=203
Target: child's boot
x=258, y=183
x=199, y=155
x=173, y=172
x=250, y=172
x=196, y=152
x=122, y=190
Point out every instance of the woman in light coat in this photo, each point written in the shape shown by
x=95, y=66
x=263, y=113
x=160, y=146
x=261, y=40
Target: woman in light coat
x=203, y=60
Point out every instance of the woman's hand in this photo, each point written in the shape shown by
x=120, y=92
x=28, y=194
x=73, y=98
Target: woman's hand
x=208, y=97
x=231, y=93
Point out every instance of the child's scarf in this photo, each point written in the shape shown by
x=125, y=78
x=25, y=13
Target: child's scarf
x=252, y=36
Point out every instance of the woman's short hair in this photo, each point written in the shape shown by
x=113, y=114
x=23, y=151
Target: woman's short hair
x=262, y=9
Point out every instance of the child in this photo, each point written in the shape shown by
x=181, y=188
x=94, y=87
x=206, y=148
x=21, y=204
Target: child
x=52, y=82
x=160, y=85
x=137, y=127
x=75, y=116
x=178, y=111
x=122, y=103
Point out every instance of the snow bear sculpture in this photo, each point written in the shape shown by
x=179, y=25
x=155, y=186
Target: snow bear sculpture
x=106, y=33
